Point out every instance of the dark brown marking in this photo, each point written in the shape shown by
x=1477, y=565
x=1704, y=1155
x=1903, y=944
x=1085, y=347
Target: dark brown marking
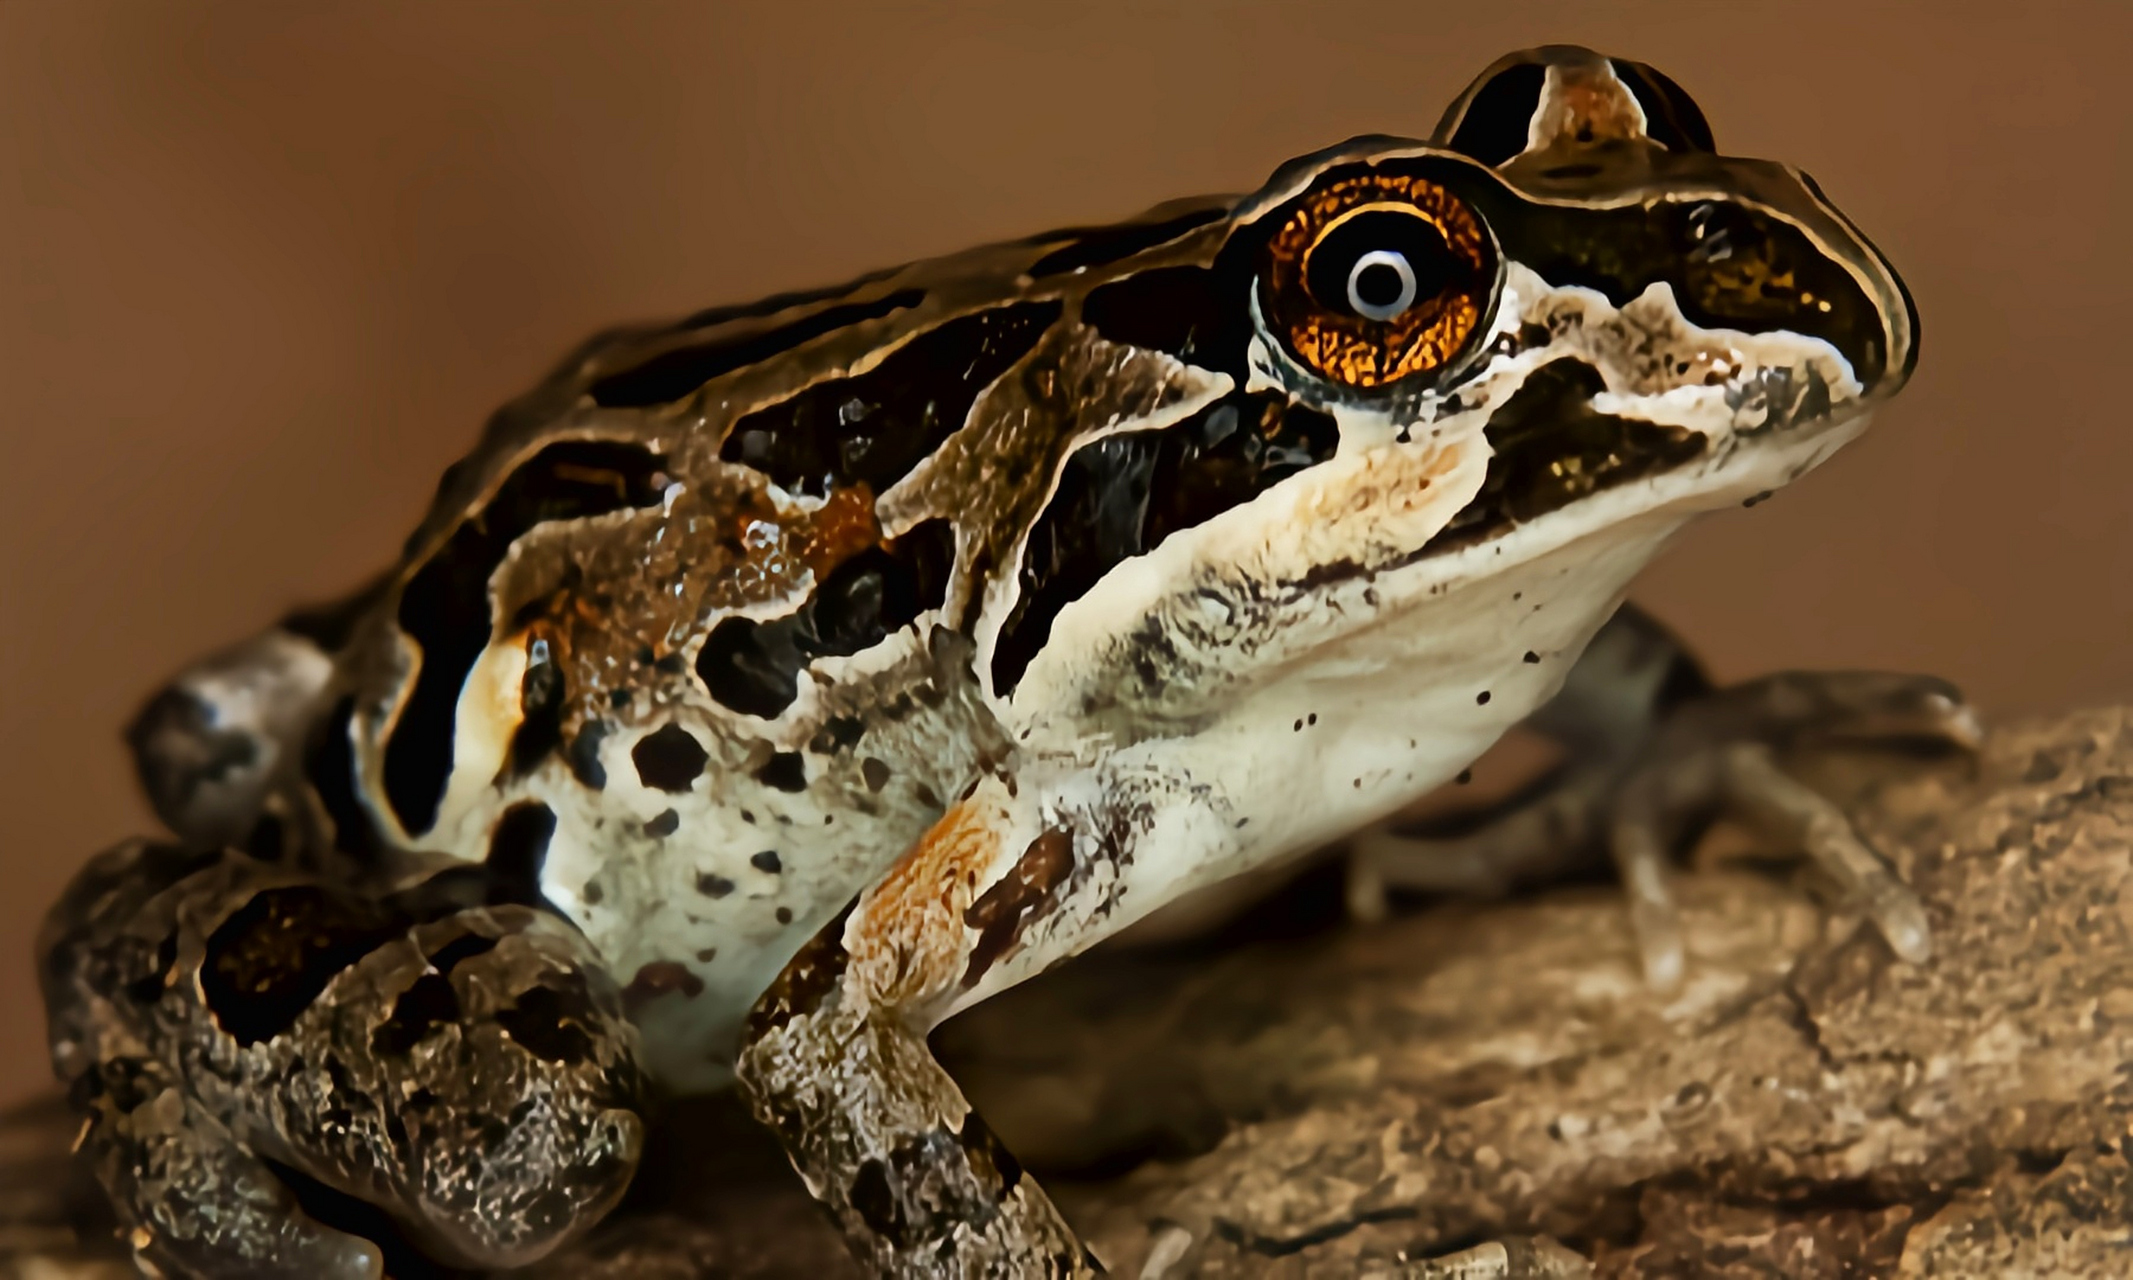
x=584, y=754
x=657, y=979
x=669, y=759
x=1121, y=496
x=429, y=1003
x=551, y=1020
x=678, y=372
x=1010, y=906
x=1550, y=449
x=1499, y=115
x=786, y=771
x=518, y=846
x=1101, y=246
x=1198, y=314
x=330, y=768
x=754, y=667
x=272, y=957
x=874, y=773
x=806, y=981
x=872, y=428
x=713, y=886
x=994, y=1165
x=664, y=823
x=445, y=606
x=767, y=861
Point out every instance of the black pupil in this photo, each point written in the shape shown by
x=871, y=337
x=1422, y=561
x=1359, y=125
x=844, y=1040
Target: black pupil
x=1332, y=263
x=1378, y=285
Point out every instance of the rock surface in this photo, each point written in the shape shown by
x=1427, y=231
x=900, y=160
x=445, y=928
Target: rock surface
x=1331, y=1103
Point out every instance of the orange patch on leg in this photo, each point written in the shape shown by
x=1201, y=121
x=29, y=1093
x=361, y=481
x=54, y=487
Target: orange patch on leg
x=906, y=937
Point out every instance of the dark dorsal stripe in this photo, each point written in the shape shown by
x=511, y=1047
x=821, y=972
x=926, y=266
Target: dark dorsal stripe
x=1198, y=314
x=1550, y=449
x=754, y=667
x=1119, y=497
x=1100, y=246
x=777, y=302
x=1671, y=117
x=1499, y=118
x=872, y=428
x=670, y=375
x=445, y=606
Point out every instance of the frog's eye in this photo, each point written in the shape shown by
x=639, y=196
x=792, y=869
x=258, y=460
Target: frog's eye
x=1378, y=278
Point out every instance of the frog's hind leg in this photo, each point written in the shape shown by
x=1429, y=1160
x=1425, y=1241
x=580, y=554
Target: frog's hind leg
x=212, y=745
x=460, y=1065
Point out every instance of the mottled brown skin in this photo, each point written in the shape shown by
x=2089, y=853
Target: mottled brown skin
x=732, y=620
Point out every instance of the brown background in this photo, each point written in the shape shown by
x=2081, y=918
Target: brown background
x=267, y=266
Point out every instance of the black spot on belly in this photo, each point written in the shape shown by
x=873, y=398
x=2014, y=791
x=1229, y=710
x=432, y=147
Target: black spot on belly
x=712, y=886
x=874, y=772
x=675, y=373
x=767, y=860
x=664, y=823
x=786, y=771
x=1100, y=246
x=518, y=846
x=584, y=755
x=670, y=759
x=1119, y=497
x=271, y=957
x=657, y=979
x=445, y=606
x=873, y=427
x=754, y=667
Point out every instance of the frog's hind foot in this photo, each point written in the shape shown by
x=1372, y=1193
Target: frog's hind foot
x=1513, y=1258
x=457, y=1065
x=1641, y=792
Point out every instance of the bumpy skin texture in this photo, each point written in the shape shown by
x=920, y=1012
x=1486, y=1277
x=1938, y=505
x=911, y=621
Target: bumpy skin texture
x=1015, y=593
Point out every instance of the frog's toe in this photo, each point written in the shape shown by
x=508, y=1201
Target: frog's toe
x=1719, y=754
x=1513, y=1258
x=201, y=1205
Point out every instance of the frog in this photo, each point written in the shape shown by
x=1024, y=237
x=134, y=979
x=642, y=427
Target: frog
x=767, y=686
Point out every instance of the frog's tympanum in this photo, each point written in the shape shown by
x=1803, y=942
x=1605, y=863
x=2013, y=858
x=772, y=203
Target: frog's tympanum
x=768, y=686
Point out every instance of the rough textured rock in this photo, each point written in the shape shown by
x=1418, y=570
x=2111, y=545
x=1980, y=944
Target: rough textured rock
x=1331, y=1103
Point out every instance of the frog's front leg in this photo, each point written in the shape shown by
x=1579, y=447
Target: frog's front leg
x=1653, y=753
x=459, y=1063
x=1015, y=877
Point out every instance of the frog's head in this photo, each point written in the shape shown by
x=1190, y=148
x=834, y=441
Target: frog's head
x=1565, y=317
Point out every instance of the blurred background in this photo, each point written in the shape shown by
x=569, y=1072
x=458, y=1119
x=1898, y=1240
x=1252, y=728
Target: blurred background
x=267, y=267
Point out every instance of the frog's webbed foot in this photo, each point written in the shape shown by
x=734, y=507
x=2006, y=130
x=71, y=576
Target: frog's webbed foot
x=1640, y=788
x=226, y=1026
